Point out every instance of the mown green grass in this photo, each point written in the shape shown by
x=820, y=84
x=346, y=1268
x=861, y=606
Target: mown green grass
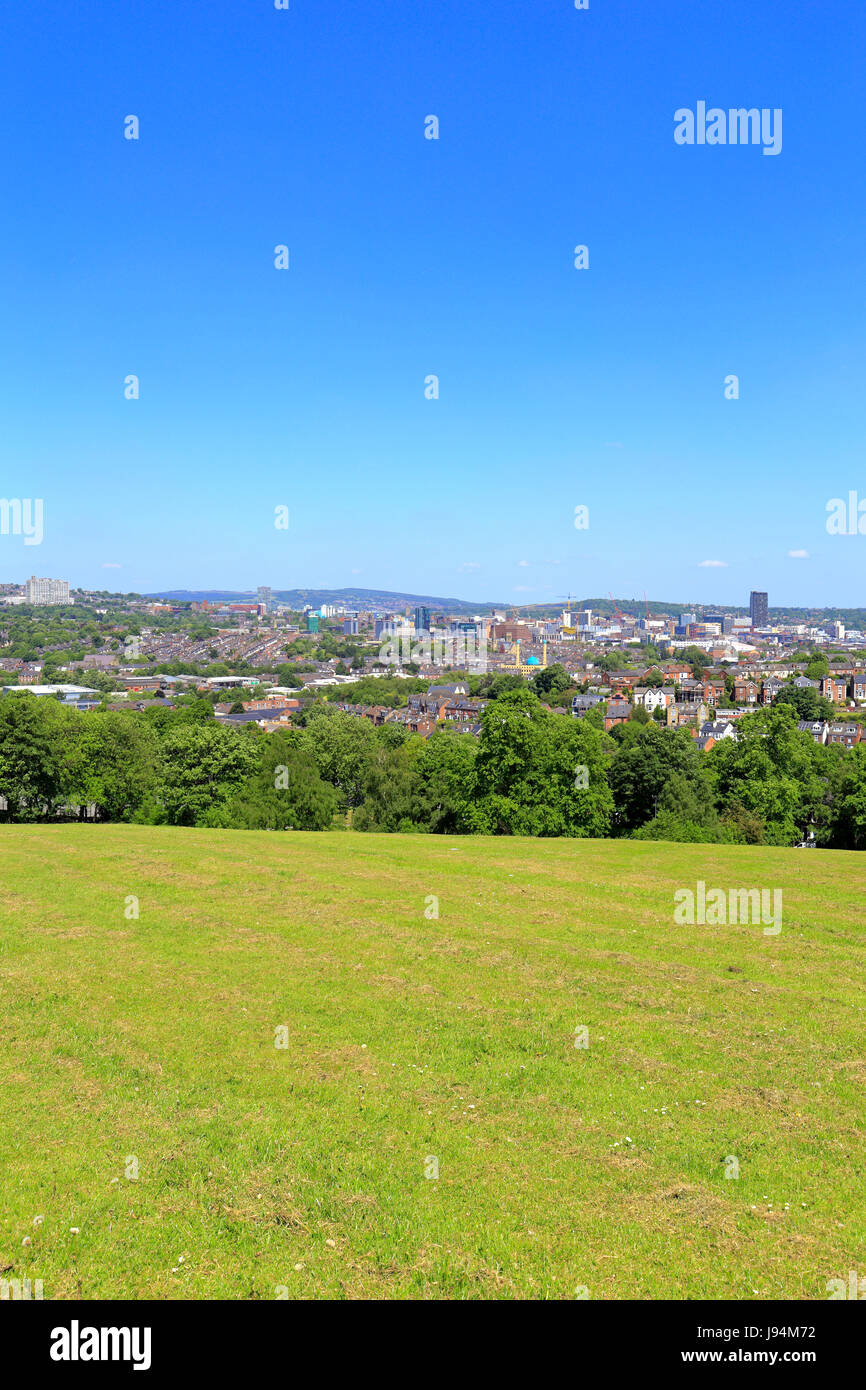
x=303, y=1169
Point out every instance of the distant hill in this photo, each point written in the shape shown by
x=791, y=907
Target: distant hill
x=357, y=598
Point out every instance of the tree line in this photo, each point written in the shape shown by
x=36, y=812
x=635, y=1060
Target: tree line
x=530, y=772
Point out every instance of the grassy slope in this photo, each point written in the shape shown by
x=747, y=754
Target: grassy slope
x=411, y=1037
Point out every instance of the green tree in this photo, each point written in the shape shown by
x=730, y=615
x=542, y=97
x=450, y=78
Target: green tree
x=817, y=667
x=32, y=770
x=112, y=760
x=644, y=765
x=806, y=701
x=538, y=773
x=550, y=680
x=203, y=766
x=343, y=748
x=846, y=819
x=285, y=793
x=768, y=772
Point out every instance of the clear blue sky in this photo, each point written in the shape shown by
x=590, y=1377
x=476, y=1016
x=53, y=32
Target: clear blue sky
x=559, y=387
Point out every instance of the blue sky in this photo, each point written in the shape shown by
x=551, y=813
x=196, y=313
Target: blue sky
x=409, y=257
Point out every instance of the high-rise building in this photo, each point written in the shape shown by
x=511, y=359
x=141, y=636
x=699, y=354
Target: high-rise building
x=45, y=591
x=423, y=618
x=724, y=621
x=758, y=608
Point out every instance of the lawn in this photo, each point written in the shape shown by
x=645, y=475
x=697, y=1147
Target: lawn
x=245, y=1091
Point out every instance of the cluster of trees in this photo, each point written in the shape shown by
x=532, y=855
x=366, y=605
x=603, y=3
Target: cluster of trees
x=531, y=772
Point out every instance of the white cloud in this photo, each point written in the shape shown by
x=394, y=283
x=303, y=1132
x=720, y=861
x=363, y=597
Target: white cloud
x=713, y=565
x=798, y=554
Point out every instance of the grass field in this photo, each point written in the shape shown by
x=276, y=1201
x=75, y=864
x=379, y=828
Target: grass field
x=267, y=1171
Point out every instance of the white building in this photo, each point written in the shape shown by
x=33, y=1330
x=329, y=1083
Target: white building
x=45, y=591
x=654, y=697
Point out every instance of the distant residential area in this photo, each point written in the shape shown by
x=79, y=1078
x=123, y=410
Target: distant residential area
x=248, y=712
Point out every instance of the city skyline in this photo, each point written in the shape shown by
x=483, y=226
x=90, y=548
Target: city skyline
x=47, y=591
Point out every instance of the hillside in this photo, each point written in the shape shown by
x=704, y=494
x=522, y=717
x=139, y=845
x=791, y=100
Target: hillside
x=147, y=1045
x=357, y=598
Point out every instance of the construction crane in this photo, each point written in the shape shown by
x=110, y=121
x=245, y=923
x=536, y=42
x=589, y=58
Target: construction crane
x=616, y=609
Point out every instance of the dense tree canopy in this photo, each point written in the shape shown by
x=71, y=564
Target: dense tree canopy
x=532, y=771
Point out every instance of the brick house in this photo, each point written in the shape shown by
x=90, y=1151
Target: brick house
x=676, y=671
x=463, y=711
x=746, y=691
x=623, y=681
x=835, y=689
x=846, y=734
x=617, y=712
x=713, y=689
